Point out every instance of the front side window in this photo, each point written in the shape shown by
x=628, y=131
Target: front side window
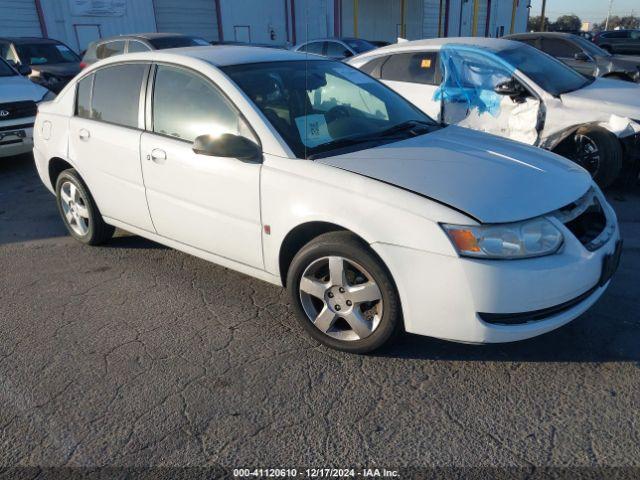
x=322, y=107
x=186, y=106
x=116, y=94
x=412, y=67
x=110, y=49
x=313, y=47
x=550, y=74
x=559, y=48
x=45, y=53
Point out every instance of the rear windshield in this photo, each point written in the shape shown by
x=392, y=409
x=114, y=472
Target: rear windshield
x=177, y=42
x=44, y=53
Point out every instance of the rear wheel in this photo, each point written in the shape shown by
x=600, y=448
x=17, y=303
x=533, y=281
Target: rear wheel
x=79, y=211
x=599, y=152
x=343, y=294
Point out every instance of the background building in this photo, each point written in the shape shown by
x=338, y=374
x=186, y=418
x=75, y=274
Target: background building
x=77, y=22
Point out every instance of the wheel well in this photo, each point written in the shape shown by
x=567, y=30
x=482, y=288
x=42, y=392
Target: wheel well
x=56, y=167
x=298, y=238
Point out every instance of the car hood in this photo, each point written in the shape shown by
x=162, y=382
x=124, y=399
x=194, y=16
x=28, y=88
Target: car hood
x=58, y=69
x=605, y=95
x=489, y=178
x=17, y=88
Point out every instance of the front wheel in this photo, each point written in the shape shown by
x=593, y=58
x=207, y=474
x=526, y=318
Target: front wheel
x=343, y=294
x=599, y=152
x=79, y=211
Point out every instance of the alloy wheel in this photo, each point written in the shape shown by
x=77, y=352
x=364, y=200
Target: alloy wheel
x=587, y=154
x=74, y=206
x=341, y=298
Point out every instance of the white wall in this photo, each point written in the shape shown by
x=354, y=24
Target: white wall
x=313, y=19
x=192, y=17
x=254, y=21
x=62, y=25
x=19, y=18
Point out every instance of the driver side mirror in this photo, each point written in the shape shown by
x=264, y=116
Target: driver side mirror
x=581, y=57
x=512, y=88
x=229, y=146
x=24, y=70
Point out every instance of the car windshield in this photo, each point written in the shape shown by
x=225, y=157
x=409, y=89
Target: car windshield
x=360, y=46
x=45, y=53
x=590, y=47
x=162, y=43
x=550, y=74
x=6, y=70
x=322, y=108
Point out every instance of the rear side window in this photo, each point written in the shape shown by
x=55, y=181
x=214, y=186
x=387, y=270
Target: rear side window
x=83, y=97
x=313, y=47
x=337, y=50
x=614, y=35
x=186, y=106
x=559, y=48
x=110, y=49
x=412, y=67
x=135, y=46
x=374, y=67
x=116, y=94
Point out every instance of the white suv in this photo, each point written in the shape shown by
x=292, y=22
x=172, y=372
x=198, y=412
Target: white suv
x=18, y=105
x=307, y=173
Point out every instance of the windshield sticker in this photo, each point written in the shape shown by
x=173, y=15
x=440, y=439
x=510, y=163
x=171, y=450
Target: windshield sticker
x=313, y=130
x=62, y=49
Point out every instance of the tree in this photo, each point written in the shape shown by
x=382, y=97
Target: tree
x=628, y=21
x=566, y=23
x=534, y=23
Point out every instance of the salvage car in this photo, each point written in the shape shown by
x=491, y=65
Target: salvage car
x=514, y=90
x=310, y=174
x=52, y=62
x=625, y=42
x=139, y=42
x=582, y=55
x=19, y=100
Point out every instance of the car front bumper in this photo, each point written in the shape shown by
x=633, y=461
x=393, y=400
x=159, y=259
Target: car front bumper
x=16, y=139
x=491, y=301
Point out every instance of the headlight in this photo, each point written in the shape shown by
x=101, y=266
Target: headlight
x=531, y=238
x=47, y=97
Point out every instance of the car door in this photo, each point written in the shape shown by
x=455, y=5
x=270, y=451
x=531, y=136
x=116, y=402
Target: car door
x=210, y=203
x=472, y=78
x=566, y=52
x=104, y=140
x=416, y=76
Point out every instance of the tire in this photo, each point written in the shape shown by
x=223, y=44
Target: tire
x=361, y=312
x=609, y=150
x=79, y=211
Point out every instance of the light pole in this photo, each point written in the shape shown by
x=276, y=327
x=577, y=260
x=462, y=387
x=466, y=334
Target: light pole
x=544, y=7
x=606, y=25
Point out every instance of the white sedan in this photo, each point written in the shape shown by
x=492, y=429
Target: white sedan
x=309, y=174
x=514, y=90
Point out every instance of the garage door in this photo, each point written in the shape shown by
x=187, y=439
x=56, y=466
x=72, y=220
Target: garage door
x=192, y=17
x=19, y=18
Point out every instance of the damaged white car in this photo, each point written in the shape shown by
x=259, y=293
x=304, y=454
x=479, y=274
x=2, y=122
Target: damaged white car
x=516, y=91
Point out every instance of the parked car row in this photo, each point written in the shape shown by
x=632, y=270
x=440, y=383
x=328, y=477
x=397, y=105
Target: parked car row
x=311, y=174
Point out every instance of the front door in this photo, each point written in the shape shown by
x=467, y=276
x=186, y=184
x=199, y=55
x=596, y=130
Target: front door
x=104, y=141
x=210, y=203
x=469, y=98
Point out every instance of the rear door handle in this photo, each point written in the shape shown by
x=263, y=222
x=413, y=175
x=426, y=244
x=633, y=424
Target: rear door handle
x=158, y=155
x=84, y=134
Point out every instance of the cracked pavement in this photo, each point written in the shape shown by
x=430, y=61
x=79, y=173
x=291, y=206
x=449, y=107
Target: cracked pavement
x=133, y=354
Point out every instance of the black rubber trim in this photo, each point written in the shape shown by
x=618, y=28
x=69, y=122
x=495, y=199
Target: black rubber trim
x=16, y=127
x=408, y=190
x=534, y=315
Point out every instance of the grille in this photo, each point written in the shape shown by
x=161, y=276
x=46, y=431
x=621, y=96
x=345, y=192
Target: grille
x=586, y=219
x=18, y=110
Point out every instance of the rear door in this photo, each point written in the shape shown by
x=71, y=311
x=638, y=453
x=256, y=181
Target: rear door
x=210, y=203
x=416, y=76
x=104, y=140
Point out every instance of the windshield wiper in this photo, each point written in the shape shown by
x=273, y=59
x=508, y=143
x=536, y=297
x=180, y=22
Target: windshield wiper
x=410, y=125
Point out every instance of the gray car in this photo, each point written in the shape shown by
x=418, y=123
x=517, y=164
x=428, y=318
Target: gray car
x=625, y=42
x=583, y=55
x=336, y=48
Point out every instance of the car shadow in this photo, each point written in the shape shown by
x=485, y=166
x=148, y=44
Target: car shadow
x=126, y=240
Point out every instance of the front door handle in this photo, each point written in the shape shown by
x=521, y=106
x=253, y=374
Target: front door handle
x=84, y=134
x=158, y=155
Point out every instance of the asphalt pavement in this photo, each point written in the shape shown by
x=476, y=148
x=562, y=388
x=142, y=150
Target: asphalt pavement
x=135, y=355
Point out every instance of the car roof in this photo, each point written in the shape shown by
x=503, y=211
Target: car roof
x=223, y=55
x=495, y=44
x=24, y=40
x=566, y=35
x=143, y=36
